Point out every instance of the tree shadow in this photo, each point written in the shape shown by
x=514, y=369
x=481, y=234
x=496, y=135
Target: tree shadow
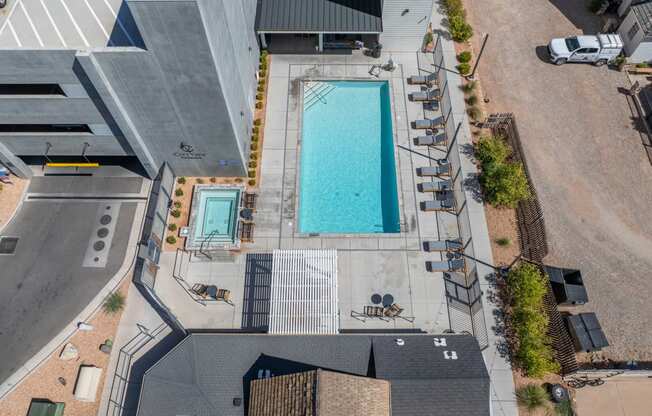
x=257, y=292
x=472, y=183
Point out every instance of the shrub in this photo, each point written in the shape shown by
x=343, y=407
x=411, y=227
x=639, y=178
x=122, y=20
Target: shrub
x=257, y=122
x=177, y=204
x=252, y=182
x=503, y=241
x=454, y=8
x=200, y=181
x=239, y=180
x=255, y=129
x=259, y=96
x=213, y=179
x=114, y=303
x=263, y=71
x=472, y=100
x=261, y=82
x=526, y=288
x=642, y=65
x=564, y=408
x=172, y=227
x=259, y=105
x=460, y=30
x=261, y=88
x=464, y=68
x=253, y=156
x=532, y=396
x=171, y=239
x=263, y=55
x=254, y=138
x=181, y=180
x=253, y=164
x=175, y=213
x=492, y=149
x=178, y=192
x=464, y=57
x=254, y=147
x=469, y=87
x=252, y=173
x=474, y=113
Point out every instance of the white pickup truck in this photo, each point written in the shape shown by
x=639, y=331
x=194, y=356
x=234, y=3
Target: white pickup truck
x=598, y=50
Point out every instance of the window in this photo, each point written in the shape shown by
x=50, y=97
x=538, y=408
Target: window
x=44, y=128
x=572, y=44
x=31, y=89
x=633, y=31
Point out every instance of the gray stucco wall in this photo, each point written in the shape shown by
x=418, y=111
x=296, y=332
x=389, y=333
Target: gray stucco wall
x=175, y=34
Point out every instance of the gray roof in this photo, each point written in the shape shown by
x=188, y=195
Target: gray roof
x=643, y=12
x=334, y=16
x=205, y=372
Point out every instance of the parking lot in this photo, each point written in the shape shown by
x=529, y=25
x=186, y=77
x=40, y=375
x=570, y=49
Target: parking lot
x=586, y=157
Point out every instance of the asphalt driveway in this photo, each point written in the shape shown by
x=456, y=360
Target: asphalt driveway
x=55, y=270
x=586, y=157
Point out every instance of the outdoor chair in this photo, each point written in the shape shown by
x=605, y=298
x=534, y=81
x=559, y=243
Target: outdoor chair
x=246, y=231
x=428, y=123
x=438, y=170
x=434, y=205
x=452, y=265
x=223, y=295
x=430, y=140
x=393, y=311
x=422, y=79
x=374, y=311
x=444, y=185
x=430, y=95
x=444, y=195
x=443, y=245
x=249, y=200
x=200, y=289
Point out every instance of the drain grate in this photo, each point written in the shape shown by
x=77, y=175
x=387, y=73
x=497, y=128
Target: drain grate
x=99, y=246
x=105, y=220
x=102, y=232
x=8, y=245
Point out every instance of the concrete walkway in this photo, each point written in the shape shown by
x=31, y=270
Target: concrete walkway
x=625, y=395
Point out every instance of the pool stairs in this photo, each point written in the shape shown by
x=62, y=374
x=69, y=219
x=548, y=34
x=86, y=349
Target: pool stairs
x=315, y=92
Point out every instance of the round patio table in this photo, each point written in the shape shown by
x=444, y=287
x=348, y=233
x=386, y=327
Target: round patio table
x=211, y=291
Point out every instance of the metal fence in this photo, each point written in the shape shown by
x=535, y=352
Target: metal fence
x=463, y=295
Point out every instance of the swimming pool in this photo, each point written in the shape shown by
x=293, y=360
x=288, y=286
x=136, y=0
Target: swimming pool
x=214, y=216
x=347, y=177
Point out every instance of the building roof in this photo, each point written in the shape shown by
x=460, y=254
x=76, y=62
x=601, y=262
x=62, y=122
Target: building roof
x=327, y=16
x=68, y=24
x=303, y=296
x=319, y=393
x=206, y=372
x=643, y=12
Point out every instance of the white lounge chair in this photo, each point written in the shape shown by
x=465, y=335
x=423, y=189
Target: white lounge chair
x=428, y=123
x=437, y=186
x=430, y=140
x=430, y=95
x=422, y=79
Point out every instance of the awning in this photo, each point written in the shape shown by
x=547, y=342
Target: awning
x=319, y=16
x=304, y=292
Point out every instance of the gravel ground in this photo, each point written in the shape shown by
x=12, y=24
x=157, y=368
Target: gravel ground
x=586, y=158
x=10, y=196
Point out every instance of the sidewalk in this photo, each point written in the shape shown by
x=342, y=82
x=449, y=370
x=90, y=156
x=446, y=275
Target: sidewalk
x=625, y=395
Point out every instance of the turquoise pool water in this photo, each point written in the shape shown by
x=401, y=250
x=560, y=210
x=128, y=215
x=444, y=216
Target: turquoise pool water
x=347, y=168
x=217, y=215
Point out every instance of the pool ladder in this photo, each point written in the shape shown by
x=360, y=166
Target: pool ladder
x=316, y=92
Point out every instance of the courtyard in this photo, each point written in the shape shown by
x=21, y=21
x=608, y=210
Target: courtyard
x=586, y=157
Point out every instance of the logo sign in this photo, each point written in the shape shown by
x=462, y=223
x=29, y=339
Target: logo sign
x=187, y=151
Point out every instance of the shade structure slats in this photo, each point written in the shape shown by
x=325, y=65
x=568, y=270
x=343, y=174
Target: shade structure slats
x=304, y=292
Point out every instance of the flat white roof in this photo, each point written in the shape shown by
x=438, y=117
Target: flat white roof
x=68, y=24
x=304, y=292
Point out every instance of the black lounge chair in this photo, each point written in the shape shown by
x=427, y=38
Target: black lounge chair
x=249, y=200
x=438, y=170
x=445, y=266
x=246, y=231
x=443, y=245
x=430, y=123
x=422, y=79
x=430, y=140
x=443, y=205
x=430, y=95
x=438, y=186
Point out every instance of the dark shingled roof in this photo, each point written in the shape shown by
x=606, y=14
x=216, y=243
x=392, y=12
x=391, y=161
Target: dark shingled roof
x=206, y=372
x=336, y=16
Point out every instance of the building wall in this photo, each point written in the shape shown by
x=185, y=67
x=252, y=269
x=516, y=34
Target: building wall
x=637, y=49
x=174, y=32
x=405, y=32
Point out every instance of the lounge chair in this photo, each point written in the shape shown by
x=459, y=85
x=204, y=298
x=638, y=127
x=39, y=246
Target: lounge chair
x=430, y=140
x=393, y=311
x=443, y=245
x=437, y=170
x=200, y=289
x=246, y=231
x=249, y=200
x=430, y=95
x=223, y=295
x=444, y=195
x=445, y=266
x=374, y=311
x=422, y=79
x=431, y=123
x=432, y=205
x=444, y=185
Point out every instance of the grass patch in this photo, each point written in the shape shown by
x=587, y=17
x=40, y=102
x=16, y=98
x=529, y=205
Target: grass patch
x=503, y=241
x=114, y=303
x=532, y=397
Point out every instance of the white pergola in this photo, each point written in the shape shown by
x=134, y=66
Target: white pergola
x=304, y=292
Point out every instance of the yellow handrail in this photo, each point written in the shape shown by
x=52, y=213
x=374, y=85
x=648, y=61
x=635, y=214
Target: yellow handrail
x=72, y=165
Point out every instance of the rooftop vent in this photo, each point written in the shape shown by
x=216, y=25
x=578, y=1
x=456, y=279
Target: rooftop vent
x=237, y=401
x=399, y=341
x=439, y=342
x=450, y=355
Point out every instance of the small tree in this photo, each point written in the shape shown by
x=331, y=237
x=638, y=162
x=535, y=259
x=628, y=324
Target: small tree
x=171, y=239
x=464, y=68
x=532, y=396
x=460, y=30
x=114, y=303
x=172, y=227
